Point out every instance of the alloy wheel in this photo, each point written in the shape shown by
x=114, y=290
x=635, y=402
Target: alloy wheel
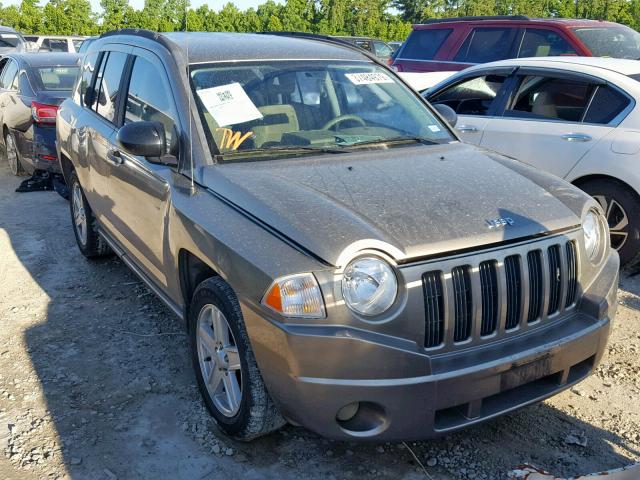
x=219, y=360
x=616, y=218
x=79, y=214
x=12, y=154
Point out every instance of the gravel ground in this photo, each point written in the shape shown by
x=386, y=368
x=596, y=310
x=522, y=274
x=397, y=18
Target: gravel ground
x=96, y=383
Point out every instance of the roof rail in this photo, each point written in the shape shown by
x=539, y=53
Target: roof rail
x=327, y=39
x=475, y=19
x=148, y=34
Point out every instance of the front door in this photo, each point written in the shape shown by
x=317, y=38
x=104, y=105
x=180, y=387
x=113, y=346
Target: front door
x=140, y=189
x=474, y=99
x=552, y=121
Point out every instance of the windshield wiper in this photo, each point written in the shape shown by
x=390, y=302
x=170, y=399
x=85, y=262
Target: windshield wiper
x=393, y=141
x=292, y=149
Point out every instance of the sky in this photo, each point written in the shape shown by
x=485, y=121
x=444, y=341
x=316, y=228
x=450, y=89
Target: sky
x=217, y=5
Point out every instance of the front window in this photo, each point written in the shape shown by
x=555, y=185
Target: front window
x=57, y=78
x=256, y=111
x=616, y=42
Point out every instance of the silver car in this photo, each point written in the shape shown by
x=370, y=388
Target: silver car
x=340, y=259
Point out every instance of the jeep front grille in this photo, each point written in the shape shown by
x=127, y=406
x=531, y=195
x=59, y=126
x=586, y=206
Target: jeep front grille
x=499, y=295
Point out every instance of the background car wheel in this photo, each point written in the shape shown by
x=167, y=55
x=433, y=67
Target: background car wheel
x=225, y=367
x=622, y=208
x=11, y=154
x=85, y=226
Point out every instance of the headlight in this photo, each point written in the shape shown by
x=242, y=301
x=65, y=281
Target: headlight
x=369, y=286
x=296, y=296
x=595, y=232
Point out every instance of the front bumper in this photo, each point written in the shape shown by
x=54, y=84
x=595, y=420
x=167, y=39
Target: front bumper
x=405, y=393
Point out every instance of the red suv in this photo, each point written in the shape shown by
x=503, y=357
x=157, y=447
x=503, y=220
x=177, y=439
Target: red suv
x=456, y=43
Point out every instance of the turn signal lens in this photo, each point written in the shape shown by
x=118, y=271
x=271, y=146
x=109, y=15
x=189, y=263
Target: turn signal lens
x=296, y=296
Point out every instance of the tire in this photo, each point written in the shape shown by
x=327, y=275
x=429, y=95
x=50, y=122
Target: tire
x=11, y=155
x=221, y=352
x=622, y=207
x=85, y=225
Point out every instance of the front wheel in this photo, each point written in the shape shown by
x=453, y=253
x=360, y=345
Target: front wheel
x=621, y=206
x=224, y=364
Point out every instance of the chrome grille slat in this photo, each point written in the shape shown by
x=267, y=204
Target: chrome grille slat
x=555, y=279
x=462, y=302
x=572, y=273
x=434, y=308
x=514, y=291
x=534, y=260
x=503, y=293
x=489, y=289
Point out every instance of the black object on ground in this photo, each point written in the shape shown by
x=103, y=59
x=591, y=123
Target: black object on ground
x=39, y=181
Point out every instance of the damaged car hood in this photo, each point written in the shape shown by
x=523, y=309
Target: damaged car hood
x=412, y=201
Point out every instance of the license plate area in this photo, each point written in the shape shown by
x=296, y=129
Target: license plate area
x=525, y=373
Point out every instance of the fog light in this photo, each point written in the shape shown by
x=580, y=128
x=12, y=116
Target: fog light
x=348, y=411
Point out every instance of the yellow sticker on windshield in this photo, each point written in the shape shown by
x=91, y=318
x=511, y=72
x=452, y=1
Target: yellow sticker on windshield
x=232, y=140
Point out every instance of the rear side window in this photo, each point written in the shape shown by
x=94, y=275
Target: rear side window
x=424, y=44
x=474, y=96
x=550, y=98
x=108, y=93
x=606, y=105
x=77, y=43
x=484, y=45
x=538, y=42
x=148, y=99
x=57, y=78
x=88, y=69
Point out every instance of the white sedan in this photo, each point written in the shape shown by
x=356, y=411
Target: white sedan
x=576, y=117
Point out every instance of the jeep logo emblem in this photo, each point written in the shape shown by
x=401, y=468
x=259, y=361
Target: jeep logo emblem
x=499, y=222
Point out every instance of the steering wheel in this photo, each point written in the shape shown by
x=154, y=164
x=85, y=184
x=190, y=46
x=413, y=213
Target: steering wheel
x=343, y=118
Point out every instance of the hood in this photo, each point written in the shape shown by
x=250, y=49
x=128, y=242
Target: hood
x=411, y=202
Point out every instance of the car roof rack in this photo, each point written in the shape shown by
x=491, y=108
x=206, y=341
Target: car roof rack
x=328, y=39
x=475, y=19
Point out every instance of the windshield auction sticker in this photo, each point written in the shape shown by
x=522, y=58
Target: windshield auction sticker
x=368, y=78
x=229, y=104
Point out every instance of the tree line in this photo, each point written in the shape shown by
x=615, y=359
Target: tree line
x=386, y=19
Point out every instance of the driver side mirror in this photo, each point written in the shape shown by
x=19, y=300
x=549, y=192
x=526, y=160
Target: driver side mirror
x=146, y=139
x=448, y=113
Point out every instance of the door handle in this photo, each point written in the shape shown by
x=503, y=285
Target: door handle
x=467, y=128
x=115, y=157
x=576, y=137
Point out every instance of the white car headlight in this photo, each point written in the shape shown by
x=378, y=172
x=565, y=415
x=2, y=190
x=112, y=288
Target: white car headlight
x=369, y=286
x=595, y=232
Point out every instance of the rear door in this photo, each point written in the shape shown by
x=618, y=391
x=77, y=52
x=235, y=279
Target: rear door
x=552, y=119
x=475, y=98
x=102, y=127
x=139, y=189
x=424, y=49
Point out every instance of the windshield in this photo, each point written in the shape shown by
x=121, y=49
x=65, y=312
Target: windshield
x=57, y=78
x=616, y=42
x=9, y=40
x=260, y=110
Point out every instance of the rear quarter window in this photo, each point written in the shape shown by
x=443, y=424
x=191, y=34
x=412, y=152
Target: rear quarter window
x=606, y=105
x=424, y=44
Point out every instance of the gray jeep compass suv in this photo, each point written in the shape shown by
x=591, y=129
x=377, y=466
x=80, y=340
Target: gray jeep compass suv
x=341, y=260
